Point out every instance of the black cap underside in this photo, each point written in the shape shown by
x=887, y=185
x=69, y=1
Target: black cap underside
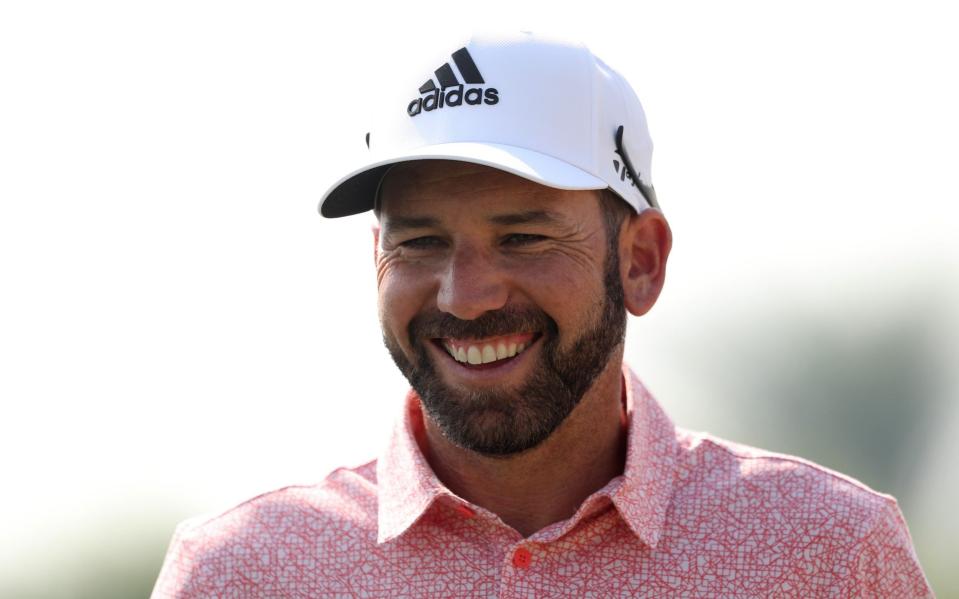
x=355, y=195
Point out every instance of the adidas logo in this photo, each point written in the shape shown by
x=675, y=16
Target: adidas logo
x=450, y=91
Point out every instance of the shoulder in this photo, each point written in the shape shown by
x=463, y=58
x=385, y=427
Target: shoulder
x=780, y=507
x=784, y=480
x=250, y=540
x=346, y=496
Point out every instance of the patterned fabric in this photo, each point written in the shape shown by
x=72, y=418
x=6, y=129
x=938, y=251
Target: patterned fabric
x=691, y=516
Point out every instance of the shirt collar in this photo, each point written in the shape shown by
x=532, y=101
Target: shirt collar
x=408, y=485
x=647, y=482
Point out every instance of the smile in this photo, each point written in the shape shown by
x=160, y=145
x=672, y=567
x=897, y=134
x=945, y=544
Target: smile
x=485, y=351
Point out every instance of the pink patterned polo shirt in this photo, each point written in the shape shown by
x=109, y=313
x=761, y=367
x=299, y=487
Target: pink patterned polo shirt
x=691, y=516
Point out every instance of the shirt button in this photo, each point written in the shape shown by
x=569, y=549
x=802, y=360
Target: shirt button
x=522, y=558
x=467, y=512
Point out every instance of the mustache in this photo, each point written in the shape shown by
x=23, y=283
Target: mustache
x=436, y=324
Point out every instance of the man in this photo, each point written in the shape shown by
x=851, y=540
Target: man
x=517, y=225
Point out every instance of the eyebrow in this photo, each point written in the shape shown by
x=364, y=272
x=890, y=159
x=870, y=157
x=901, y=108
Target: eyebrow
x=542, y=217
x=404, y=223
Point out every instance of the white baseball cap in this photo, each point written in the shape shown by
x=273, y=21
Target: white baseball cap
x=543, y=108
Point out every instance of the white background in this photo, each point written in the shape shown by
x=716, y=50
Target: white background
x=179, y=328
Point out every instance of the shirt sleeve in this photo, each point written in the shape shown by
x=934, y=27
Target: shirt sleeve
x=886, y=564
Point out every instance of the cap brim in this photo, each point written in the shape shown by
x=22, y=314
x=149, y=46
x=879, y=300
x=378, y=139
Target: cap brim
x=356, y=192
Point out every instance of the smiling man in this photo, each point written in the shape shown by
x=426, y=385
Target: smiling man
x=516, y=228
x=506, y=317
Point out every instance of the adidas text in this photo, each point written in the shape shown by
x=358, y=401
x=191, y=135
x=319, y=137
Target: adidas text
x=453, y=96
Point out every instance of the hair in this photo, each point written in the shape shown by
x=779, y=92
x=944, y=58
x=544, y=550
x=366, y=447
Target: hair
x=615, y=210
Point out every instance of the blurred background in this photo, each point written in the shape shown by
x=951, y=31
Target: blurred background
x=180, y=330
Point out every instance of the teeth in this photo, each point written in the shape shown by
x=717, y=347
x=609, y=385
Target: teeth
x=489, y=354
x=474, y=356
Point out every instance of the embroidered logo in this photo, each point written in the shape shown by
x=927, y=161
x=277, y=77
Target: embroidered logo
x=621, y=170
x=451, y=92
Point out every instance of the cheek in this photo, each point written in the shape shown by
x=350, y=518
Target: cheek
x=401, y=296
x=559, y=282
x=569, y=292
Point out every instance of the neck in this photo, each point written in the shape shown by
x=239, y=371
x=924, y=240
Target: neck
x=547, y=483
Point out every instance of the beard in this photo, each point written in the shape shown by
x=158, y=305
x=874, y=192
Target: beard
x=498, y=422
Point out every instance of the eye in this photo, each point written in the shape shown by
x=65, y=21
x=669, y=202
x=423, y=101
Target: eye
x=522, y=239
x=425, y=242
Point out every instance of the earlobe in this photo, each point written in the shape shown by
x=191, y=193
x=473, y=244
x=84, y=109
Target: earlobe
x=644, y=248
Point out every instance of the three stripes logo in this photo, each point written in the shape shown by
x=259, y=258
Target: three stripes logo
x=450, y=91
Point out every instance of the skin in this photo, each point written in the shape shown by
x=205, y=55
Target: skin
x=442, y=242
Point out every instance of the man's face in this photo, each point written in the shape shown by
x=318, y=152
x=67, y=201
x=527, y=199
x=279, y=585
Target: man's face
x=500, y=299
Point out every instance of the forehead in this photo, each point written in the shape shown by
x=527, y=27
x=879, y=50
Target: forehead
x=439, y=188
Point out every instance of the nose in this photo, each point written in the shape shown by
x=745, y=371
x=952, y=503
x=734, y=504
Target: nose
x=471, y=284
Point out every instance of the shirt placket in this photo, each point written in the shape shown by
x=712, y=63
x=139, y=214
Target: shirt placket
x=518, y=563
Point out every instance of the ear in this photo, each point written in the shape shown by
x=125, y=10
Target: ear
x=375, y=229
x=644, y=246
